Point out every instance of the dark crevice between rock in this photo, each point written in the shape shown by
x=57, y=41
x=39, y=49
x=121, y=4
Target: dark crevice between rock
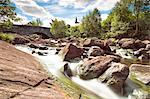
x=30, y=86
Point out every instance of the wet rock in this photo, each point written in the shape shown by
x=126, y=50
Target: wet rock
x=94, y=67
x=66, y=70
x=20, y=40
x=115, y=76
x=145, y=57
x=140, y=52
x=140, y=72
x=95, y=51
x=43, y=48
x=33, y=46
x=33, y=52
x=42, y=53
x=70, y=52
x=147, y=47
x=57, y=50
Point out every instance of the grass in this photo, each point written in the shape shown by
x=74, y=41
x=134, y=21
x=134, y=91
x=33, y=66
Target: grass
x=7, y=37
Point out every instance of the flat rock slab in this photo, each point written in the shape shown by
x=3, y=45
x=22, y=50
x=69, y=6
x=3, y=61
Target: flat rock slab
x=22, y=76
x=141, y=72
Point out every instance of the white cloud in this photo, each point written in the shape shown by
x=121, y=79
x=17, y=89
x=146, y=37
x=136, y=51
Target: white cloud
x=75, y=3
x=29, y=7
x=24, y=20
x=101, y=5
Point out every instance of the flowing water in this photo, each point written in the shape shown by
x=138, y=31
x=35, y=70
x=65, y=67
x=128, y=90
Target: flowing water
x=53, y=63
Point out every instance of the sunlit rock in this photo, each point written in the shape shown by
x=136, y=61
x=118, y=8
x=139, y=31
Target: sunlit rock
x=70, y=52
x=140, y=72
x=115, y=76
x=94, y=67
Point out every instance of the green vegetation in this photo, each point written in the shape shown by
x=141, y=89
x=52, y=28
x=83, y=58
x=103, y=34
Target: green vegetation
x=7, y=13
x=91, y=24
x=6, y=37
x=129, y=18
x=36, y=22
x=58, y=28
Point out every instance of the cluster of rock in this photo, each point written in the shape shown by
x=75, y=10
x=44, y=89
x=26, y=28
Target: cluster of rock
x=99, y=61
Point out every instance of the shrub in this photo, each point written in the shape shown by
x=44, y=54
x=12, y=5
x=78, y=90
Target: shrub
x=6, y=37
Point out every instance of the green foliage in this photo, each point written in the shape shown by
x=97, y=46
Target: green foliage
x=127, y=16
x=6, y=37
x=36, y=22
x=58, y=28
x=91, y=24
x=73, y=31
x=7, y=13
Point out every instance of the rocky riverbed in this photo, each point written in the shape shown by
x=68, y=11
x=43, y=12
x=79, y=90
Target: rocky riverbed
x=118, y=68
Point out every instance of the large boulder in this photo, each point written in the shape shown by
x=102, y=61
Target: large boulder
x=70, y=52
x=115, y=76
x=139, y=44
x=127, y=43
x=22, y=77
x=95, y=42
x=140, y=72
x=93, y=68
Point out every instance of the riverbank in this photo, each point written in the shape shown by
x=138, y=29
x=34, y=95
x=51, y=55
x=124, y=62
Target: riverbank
x=21, y=76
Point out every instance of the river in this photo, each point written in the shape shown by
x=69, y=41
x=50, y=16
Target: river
x=91, y=89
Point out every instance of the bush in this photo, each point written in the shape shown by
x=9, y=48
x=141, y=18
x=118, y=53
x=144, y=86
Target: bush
x=6, y=37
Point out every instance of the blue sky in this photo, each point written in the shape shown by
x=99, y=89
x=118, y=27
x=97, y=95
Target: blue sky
x=66, y=10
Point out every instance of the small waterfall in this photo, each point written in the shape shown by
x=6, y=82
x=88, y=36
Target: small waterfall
x=53, y=64
x=96, y=87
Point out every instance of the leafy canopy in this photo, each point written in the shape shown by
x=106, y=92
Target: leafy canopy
x=58, y=28
x=91, y=24
x=7, y=13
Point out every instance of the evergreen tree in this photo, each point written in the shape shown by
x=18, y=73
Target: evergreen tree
x=91, y=24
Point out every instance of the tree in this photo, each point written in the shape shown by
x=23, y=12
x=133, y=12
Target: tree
x=58, y=28
x=7, y=13
x=73, y=31
x=91, y=24
x=37, y=22
x=119, y=19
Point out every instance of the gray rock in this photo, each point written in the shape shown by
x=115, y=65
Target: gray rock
x=115, y=76
x=94, y=67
